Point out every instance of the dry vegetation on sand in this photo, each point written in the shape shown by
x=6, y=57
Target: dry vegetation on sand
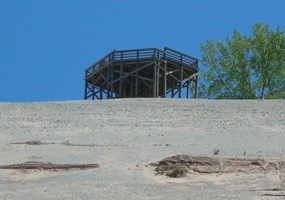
x=178, y=166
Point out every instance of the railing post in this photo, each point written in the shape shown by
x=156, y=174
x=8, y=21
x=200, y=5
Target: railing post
x=137, y=54
x=108, y=82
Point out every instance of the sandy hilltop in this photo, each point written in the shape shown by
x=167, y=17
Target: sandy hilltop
x=115, y=149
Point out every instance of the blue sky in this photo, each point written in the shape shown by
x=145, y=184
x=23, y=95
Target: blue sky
x=45, y=45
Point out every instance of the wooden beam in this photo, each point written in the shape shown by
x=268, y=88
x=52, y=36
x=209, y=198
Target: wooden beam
x=127, y=74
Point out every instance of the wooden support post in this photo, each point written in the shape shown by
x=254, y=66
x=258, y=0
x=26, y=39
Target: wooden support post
x=188, y=88
x=172, y=88
x=124, y=90
x=120, y=83
x=181, y=79
x=164, y=79
x=131, y=85
x=93, y=92
x=101, y=85
x=112, y=84
x=85, y=90
x=96, y=94
x=101, y=88
x=137, y=82
x=196, y=86
x=158, y=75
x=108, y=82
x=93, y=88
x=154, y=80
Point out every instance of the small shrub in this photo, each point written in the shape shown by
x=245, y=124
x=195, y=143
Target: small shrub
x=216, y=151
x=177, y=172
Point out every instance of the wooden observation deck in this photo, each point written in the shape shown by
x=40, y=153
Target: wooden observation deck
x=142, y=73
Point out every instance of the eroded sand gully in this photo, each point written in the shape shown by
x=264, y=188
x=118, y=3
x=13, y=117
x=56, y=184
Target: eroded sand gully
x=219, y=164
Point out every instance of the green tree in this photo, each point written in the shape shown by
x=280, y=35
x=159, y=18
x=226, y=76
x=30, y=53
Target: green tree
x=245, y=67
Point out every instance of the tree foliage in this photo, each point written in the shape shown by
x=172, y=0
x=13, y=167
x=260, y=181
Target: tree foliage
x=245, y=67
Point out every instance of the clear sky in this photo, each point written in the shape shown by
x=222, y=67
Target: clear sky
x=45, y=45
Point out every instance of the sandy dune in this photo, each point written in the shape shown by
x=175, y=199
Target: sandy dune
x=125, y=136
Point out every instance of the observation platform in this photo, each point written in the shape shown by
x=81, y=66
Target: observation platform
x=142, y=73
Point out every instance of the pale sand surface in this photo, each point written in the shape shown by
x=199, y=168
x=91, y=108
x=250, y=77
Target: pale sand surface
x=124, y=136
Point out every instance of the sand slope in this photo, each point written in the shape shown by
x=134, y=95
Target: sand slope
x=124, y=136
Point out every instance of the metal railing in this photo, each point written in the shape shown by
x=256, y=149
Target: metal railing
x=143, y=54
x=181, y=57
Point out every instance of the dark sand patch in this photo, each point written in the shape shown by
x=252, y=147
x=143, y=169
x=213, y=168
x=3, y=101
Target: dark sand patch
x=48, y=166
x=66, y=143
